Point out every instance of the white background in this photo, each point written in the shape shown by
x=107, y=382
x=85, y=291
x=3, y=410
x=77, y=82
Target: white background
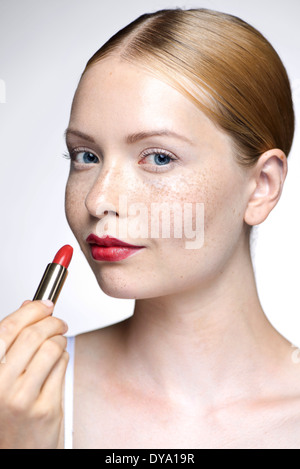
x=44, y=46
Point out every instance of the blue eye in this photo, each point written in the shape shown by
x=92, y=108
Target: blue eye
x=85, y=157
x=156, y=160
x=161, y=159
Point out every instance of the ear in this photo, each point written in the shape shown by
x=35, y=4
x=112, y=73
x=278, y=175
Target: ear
x=266, y=183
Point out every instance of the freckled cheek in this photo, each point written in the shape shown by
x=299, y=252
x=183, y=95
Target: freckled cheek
x=174, y=255
x=222, y=206
x=75, y=205
x=209, y=191
x=184, y=196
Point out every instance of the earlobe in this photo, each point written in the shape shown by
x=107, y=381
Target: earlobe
x=268, y=178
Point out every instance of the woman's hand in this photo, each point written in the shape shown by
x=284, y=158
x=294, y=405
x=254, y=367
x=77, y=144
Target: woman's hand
x=33, y=363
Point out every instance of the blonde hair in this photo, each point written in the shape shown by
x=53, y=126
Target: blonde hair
x=223, y=64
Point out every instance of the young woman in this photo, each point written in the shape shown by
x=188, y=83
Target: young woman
x=187, y=108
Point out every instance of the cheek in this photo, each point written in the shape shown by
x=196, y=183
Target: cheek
x=219, y=225
x=75, y=205
x=207, y=188
x=207, y=203
x=217, y=190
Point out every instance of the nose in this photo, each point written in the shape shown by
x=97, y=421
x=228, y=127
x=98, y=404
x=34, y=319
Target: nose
x=104, y=195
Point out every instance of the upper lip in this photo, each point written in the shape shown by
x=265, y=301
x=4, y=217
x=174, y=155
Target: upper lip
x=108, y=241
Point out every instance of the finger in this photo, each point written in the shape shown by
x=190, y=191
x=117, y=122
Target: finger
x=41, y=366
x=4, y=326
x=28, y=313
x=25, y=302
x=53, y=386
x=27, y=345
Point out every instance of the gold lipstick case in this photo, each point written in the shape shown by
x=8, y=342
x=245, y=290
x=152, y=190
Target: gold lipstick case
x=52, y=282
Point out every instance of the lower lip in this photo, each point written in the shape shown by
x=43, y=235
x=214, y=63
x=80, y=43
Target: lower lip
x=114, y=253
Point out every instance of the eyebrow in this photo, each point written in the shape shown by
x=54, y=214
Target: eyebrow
x=132, y=138
x=78, y=134
x=155, y=133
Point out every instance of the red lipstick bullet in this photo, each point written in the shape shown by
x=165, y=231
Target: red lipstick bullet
x=64, y=256
x=55, y=275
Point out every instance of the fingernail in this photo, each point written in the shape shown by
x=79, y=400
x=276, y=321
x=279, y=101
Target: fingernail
x=48, y=303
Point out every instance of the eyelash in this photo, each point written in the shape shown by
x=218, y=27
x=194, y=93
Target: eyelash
x=153, y=151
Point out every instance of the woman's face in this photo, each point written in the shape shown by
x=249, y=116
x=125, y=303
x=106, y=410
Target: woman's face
x=147, y=144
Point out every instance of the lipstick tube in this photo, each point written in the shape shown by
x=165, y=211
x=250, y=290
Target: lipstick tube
x=54, y=276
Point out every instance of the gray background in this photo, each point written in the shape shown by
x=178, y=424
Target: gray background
x=44, y=46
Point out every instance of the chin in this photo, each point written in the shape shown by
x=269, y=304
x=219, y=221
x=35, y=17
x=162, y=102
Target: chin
x=124, y=288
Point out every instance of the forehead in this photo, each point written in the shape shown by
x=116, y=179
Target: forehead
x=116, y=89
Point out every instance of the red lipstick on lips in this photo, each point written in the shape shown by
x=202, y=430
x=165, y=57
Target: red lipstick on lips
x=55, y=275
x=110, y=249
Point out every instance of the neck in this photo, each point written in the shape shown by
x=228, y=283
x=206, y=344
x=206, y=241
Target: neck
x=213, y=338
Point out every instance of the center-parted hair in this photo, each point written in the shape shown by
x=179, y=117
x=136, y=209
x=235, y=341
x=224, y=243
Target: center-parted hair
x=223, y=64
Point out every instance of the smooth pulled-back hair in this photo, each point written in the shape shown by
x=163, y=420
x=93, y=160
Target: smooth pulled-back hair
x=220, y=62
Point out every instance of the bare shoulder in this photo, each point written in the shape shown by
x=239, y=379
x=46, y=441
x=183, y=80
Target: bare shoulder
x=282, y=411
x=285, y=423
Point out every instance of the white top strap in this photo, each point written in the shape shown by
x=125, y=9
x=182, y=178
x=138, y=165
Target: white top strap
x=68, y=398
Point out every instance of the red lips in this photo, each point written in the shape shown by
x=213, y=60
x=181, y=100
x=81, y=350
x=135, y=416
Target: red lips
x=108, y=248
x=108, y=241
